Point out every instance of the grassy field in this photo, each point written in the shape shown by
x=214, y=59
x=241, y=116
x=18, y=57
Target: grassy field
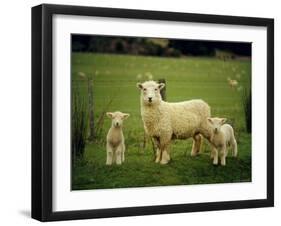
x=115, y=78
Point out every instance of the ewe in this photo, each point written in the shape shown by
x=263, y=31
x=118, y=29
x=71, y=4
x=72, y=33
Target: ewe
x=165, y=121
x=222, y=137
x=115, y=143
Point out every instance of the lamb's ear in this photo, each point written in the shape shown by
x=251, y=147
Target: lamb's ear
x=210, y=120
x=139, y=85
x=161, y=86
x=109, y=114
x=125, y=116
x=223, y=120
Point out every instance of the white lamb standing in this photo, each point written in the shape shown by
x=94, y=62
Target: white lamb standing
x=165, y=121
x=222, y=137
x=115, y=142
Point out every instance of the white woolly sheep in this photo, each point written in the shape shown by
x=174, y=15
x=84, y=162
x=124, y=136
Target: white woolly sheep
x=222, y=137
x=165, y=121
x=115, y=143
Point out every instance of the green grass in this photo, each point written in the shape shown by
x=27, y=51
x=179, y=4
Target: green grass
x=115, y=77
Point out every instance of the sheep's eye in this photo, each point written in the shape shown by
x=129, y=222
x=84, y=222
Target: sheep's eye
x=155, y=89
x=144, y=89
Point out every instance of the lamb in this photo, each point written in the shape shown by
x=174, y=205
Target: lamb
x=164, y=121
x=232, y=83
x=115, y=142
x=222, y=137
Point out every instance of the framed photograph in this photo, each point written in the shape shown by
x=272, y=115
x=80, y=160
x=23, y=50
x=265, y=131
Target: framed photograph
x=146, y=112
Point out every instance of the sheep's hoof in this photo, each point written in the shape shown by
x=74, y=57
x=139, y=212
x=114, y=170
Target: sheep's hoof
x=215, y=163
x=157, y=160
x=164, y=162
x=193, y=154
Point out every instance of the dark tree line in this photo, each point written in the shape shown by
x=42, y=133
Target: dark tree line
x=155, y=47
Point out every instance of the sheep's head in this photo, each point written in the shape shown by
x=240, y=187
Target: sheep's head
x=117, y=118
x=216, y=123
x=150, y=92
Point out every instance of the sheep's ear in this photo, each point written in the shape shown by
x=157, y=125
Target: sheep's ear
x=161, y=86
x=210, y=120
x=223, y=120
x=125, y=116
x=109, y=114
x=139, y=85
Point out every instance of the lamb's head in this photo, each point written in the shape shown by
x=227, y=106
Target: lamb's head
x=117, y=118
x=216, y=123
x=150, y=92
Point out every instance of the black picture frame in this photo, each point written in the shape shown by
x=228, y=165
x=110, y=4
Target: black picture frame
x=42, y=107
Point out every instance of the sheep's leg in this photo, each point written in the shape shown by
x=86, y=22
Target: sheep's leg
x=213, y=152
x=168, y=152
x=118, y=154
x=196, y=146
x=234, y=147
x=206, y=132
x=223, y=155
x=215, y=155
x=158, y=155
x=123, y=152
x=158, y=151
x=165, y=156
x=226, y=150
x=109, y=154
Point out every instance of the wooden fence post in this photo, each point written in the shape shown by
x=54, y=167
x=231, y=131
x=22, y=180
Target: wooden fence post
x=163, y=91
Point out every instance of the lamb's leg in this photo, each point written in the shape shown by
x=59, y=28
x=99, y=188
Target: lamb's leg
x=196, y=146
x=109, y=154
x=234, y=147
x=223, y=155
x=118, y=154
x=215, y=155
x=123, y=152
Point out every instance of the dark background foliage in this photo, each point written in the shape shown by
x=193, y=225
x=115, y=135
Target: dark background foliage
x=156, y=46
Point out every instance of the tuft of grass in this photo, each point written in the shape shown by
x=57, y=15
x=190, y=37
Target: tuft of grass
x=79, y=125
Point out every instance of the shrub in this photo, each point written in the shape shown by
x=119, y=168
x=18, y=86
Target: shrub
x=79, y=125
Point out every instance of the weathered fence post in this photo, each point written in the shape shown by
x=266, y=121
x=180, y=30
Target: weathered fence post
x=163, y=91
x=91, y=109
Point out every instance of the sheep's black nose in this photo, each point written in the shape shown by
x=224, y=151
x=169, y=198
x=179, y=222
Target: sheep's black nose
x=117, y=124
x=150, y=99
